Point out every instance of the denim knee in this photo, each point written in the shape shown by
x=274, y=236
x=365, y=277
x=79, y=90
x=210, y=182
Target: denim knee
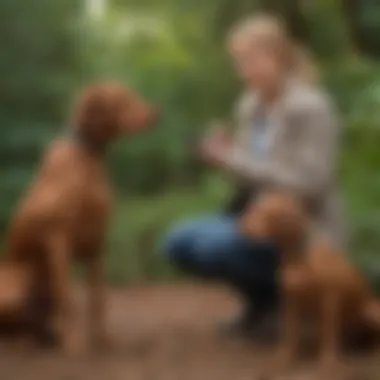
x=177, y=247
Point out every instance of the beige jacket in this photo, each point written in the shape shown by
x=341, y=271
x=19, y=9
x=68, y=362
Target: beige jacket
x=303, y=152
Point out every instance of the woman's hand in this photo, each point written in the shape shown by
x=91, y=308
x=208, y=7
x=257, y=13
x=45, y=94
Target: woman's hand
x=214, y=147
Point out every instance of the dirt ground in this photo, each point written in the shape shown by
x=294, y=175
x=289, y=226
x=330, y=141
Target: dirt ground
x=167, y=332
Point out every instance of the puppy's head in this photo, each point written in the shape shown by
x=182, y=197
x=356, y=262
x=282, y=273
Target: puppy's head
x=107, y=111
x=275, y=216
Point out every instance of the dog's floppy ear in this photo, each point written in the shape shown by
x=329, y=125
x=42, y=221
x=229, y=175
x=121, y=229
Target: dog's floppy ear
x=293, y=224
x=93, y=115
x=308, y=204
x=109, y=110
x=287, y=215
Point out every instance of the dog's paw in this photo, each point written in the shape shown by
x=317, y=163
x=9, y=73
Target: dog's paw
x=284, y=360
x=73, y=345
x=22, y=345
x=102, y=342
x=329, y=364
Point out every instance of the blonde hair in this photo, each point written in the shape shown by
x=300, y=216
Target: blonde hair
x=271, y=32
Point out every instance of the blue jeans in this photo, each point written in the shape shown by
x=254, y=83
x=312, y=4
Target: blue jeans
x=212, y=247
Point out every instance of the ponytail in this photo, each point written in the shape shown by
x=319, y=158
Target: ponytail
x=271, y=31
x=302, y=65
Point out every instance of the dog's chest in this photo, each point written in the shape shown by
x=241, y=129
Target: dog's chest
x=92, y=215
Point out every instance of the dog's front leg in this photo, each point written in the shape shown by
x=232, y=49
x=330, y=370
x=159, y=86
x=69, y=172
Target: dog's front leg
x=292, y=283
x=330, y=334
x=290, y=332
x=97, y=300
x=58, y=256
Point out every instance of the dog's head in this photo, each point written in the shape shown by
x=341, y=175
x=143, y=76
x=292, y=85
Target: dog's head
x=107, y=111
x=276, y=216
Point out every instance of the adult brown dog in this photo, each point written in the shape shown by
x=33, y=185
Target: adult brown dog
x=65, y=212
x=318, y=283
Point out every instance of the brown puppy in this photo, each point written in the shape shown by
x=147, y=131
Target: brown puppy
x=65, y=212
x=317, y=282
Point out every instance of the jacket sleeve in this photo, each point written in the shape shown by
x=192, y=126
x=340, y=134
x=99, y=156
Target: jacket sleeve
x=309, y=161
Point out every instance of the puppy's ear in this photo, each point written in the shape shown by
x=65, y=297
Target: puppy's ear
x=92, y=115
x=293, y=224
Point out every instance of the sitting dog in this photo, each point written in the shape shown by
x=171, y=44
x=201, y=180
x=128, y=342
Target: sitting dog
x=317, y=281
x=64, y=214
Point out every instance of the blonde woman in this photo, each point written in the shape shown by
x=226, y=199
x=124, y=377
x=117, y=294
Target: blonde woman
x=287, y=137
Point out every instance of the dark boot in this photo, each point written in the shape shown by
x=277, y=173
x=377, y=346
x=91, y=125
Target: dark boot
x=267, y=328
x=258, y=324
x=267, y=301
x=259, y=318
x=242, y=324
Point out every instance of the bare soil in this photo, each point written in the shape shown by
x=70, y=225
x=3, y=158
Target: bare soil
x=168, y=332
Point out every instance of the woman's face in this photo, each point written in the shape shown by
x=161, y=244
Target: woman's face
x=258, y=66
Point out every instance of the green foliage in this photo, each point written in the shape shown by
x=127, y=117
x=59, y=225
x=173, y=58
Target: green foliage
x=140, y=222
x=366, y=24
x=173, y=53
x=328, y=30
x=356, y=86
x=37, y=63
